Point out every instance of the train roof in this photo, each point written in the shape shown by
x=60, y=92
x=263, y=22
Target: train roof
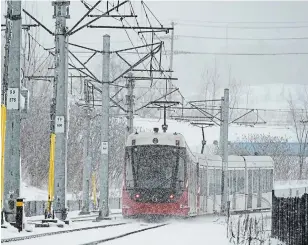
x=236, y=161
x=147, y=138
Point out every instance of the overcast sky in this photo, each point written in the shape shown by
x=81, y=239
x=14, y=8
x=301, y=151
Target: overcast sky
x=197, y=19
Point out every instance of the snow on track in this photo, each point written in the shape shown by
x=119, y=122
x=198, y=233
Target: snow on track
x=12, y=232
x=53, y=233
x=201, y=230
x=123, y=235
x=86, y=236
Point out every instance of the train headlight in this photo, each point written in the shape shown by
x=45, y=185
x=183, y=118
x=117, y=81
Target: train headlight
x=137, y=195
x=171, y=196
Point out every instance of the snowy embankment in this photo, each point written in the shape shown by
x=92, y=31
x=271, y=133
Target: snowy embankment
x=193, y=135
x=289, y=184
x=291, y=188
x=31, y=193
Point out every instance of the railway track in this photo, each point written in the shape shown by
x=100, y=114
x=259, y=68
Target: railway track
x=122, y=235
x=14, y=239
x=75, y=219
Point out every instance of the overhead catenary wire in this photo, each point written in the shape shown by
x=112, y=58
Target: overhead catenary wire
x=243, y=27
x=242, y=39
x=245, y=22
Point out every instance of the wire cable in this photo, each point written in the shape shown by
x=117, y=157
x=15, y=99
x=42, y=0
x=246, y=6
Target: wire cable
x=244, y=27
x=244, y=39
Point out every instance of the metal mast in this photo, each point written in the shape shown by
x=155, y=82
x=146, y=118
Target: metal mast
x=104, y=166
x=224, y=150
x=171, y=65
x=61, y=13
x=86, y=154
x=12, y=140
x=130, y=105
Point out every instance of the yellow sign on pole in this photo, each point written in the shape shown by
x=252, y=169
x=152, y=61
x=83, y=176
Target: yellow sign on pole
x=51, y=170
x=94, y=189
x=3, y=129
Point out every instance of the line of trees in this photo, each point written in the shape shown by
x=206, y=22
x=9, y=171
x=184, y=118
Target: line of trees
x=287, y=164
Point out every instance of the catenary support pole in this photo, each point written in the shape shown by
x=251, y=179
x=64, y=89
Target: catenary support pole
x=104, y=165
x=86, y=156
x=130, y=105
x=61, y=120
x=12, y=140
x=224, y=151
x=171, y=65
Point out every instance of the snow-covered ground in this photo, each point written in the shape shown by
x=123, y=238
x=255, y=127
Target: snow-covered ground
x=200, y=230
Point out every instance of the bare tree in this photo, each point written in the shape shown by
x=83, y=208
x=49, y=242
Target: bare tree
x=212, y=89
x=299, y=115
x=210, y=86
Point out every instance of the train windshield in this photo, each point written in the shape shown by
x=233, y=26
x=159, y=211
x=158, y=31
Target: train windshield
x=154, y=166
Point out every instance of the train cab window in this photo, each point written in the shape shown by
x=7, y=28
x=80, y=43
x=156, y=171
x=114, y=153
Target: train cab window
x=129, y=171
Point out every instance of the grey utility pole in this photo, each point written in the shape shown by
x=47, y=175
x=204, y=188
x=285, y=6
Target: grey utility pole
x=130, y=105
x=224, y=150
x=8, y=37
x=12, y=141
x=104, y=165
x=171, y=64
x=61, y=120
x=86, y=154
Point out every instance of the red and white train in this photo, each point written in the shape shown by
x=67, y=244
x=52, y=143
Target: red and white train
x=164, y=178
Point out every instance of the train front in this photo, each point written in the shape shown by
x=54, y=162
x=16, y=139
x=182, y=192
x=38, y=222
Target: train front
x=154, y=175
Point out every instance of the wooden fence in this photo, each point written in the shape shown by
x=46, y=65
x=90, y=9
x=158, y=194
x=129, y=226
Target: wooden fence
x=290, y=216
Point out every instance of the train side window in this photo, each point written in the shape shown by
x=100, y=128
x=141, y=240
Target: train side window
x=203, y=185
x=231, y=181
x=255, y=183
x=181, y=173
x=189, y=174
x=263, y=179
x=267, y=180
x=200, y=180
x=240, y=181
x=211, y=181
x=218, y=181
x=271, y=175
x=250, y=173
x=234, y=180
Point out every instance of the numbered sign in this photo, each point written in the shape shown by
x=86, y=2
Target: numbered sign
x=12, y=99
x=59, y=127
x=105, y=148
